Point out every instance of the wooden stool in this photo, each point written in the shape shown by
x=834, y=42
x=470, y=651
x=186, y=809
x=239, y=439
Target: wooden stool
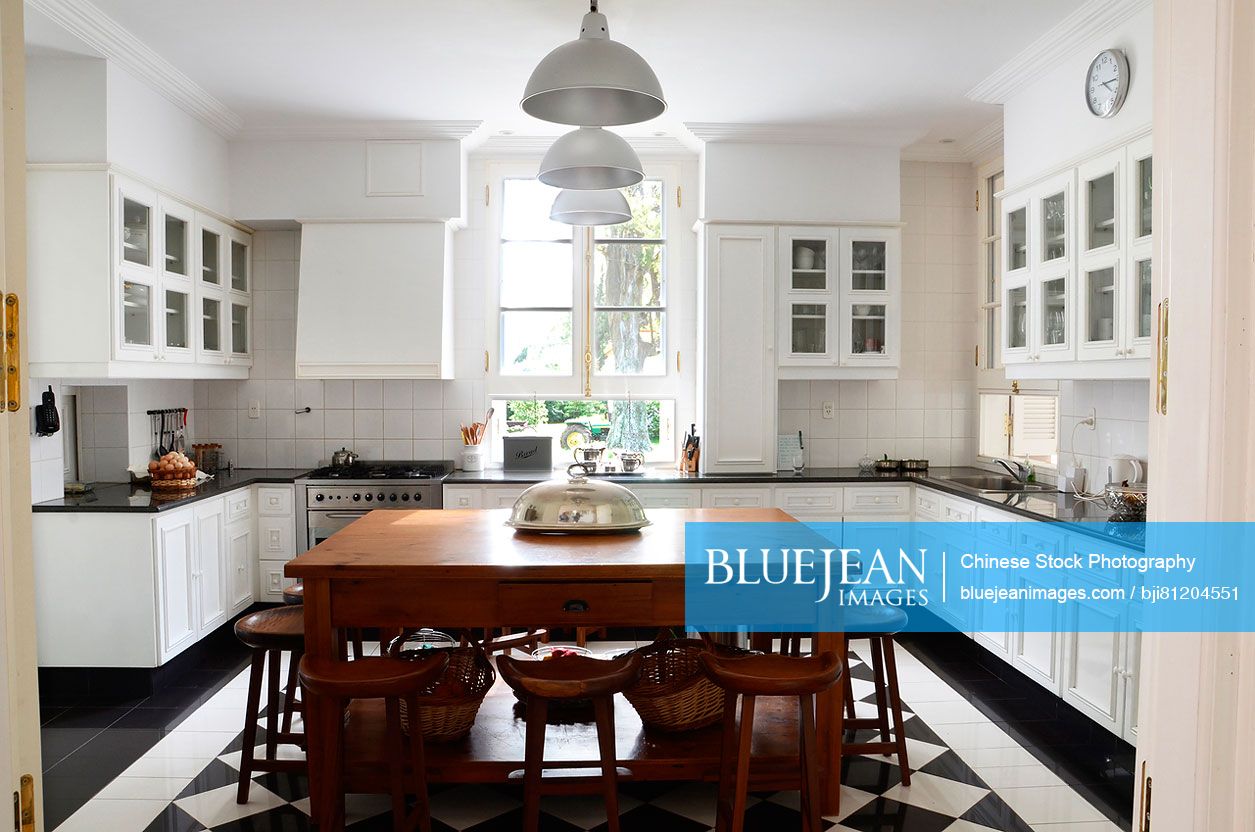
x=769, y=675
x=569, y=677
x=270, y=633
x=391, y=680
x=294, y=594
x=878, y=625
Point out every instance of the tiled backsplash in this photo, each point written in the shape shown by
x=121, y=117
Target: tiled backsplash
x=377, y=419
x=1123, y=415
x=929, y=410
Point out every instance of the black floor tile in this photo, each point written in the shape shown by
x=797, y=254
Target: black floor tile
x=950, y=766
x=163, y=719
x=645, y=818
x=47, y=713
x=59, y=743
x=869, y=775
x=64, y=795
x=282, y=819
x=992, y=811
x=108, y=754
x=215, y=775
x=513, y=821
x=883, y=814
x=766, y=816
x=174, y=819
x=88, y=716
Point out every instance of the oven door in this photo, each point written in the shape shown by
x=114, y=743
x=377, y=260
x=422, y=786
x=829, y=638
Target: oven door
x=323, y=524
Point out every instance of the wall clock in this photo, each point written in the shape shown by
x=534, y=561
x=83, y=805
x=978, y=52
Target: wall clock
x=1107, y=83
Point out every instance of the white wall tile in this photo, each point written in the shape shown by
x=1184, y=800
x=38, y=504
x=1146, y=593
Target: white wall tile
x=398, y=395
x=398, y=424
x=338, y=394
x=368, y=424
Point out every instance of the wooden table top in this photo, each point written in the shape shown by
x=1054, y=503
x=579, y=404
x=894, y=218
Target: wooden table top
x=464, y=543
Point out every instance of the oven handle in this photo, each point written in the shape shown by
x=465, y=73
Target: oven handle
x=344, y=515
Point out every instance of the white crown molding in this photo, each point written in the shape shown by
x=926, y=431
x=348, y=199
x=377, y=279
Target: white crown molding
x=103, y=34
x=537, y=145
x=713, y=131
x=1089, y=21
x=976, y=146
x=347, y=131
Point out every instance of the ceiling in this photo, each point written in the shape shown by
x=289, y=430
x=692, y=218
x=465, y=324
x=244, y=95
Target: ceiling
x=892, y=70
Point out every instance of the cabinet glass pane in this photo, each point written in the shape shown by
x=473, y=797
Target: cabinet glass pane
x=1017, y=317
x=1054, y=311
x=867, y=329
x=239, y=266
x=1143, y=299
x=809, y=329
x=176, y=319
x=1100, y=289
x=239, y=329
x=176, y=245
x=1101, y=193
x=211, y=315
x=136, y=232
x=210, y=269
x=810, y=265
x=1054, y=225
x=868, y=261
x=1143, y=197
x=136, y=314
x=1017, y=245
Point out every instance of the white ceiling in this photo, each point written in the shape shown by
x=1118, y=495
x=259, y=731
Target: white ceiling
x=893, y=69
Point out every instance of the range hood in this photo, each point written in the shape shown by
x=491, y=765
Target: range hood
x=375, y=300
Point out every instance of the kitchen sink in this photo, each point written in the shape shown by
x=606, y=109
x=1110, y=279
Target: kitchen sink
x=995, y=484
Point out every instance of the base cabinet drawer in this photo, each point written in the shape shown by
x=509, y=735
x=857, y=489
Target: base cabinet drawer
x=826, y=500
x=666, y=496
x=927, y=504
x=275, y=501
x=497, y=497
x=535, y=603
x=239, y=505
x=463, y=496
x=721, y=497
x=887, y=499
x=276, y=538
x=271, y=581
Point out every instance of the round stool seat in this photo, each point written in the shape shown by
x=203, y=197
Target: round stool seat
x=372, y=678
x=294, y=594
x=772, y=674
x=280, y=628
x=883, y=620
x=570, y=677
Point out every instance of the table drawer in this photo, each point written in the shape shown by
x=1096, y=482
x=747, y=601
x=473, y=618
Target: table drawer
x=736, y=497
x=809, y=499
x=536, y=603
x=887, y=499
x=239, y=505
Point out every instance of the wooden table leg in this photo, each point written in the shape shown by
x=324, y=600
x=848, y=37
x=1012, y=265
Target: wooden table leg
x=323, y=719
x=828, y=729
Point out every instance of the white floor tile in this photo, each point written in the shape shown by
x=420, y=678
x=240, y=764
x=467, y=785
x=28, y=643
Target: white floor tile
x=918, y=754
x=948, y=713
x=695, y=801
x=964, y=735
x=968, y=826
x=937, y=794
x=1019, y=777
x=224, y=720
x=928, y=692
x=193, y=744
x=144, y=788
x=114, y=816
x=283, y=752
x=1051, y=804
x=166, y=767
x=216, y=807
x=861, y=688
x=233, y=699
x=993, y=757
x=1085, y=826
x=468, y=805
x=584, y=810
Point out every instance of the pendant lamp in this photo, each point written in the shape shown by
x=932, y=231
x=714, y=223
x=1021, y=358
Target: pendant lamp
x=590, y=208
x=591, y=159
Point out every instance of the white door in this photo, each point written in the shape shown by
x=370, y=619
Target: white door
x=211, y=562
x=240, y=559
x=176, y=565
x=1093, y=660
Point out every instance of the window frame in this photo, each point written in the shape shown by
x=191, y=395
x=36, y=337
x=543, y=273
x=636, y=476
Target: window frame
x=989, y=321
x=1009, y=395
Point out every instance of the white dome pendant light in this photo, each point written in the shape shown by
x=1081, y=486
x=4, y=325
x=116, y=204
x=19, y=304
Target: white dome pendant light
x=590, y=208
x=593, y=81
x=591, y=159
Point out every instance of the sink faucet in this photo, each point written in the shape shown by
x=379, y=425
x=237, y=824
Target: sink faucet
x=1020, y=471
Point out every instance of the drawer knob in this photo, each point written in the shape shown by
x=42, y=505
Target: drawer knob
x=810, y=500
x=575, y=605
x=876, y=500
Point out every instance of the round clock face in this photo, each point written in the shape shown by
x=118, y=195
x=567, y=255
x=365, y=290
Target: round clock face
x=1106, y=83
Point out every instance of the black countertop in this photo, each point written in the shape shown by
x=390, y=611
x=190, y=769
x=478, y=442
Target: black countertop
x=120, y=497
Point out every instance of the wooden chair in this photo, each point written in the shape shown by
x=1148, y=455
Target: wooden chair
x=750, y=677
x=270, y=633
x=566, y=678
x=878, y=625
x=391, y=680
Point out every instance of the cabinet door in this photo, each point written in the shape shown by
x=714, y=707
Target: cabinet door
x=276, y=537
x=668, y=496
x=1052, y=222
x=1100, y=297
x=1037, y=654
x=1015, y=235
x=870, y=296
x=1100, y=196
x=211, y=346
x=241, y=331
x=1052, y=317
x=1093, y=659
x=726, y=497
x=1016, y=321
x=239, y=261
x=463, y=496
x=137, y=250
x=807, y=329
x=808, y=261
x=808, y=280
x=211, y=566
x=870, y=332
x=176, y=565
x=175, y=228
x=737, y=394
x=178, y=310
x=213, y=252
x=240, y=557
x=1139, y=162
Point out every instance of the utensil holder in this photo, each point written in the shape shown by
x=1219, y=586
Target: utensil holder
x=472, y=457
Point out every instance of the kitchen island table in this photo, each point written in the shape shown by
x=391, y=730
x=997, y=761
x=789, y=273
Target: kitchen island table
x=461, y=569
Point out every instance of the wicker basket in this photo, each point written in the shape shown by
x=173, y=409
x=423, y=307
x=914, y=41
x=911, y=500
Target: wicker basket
x=673, y=694
x=447, y=709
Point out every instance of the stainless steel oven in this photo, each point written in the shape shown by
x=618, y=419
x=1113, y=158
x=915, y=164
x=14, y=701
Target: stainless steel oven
x=323, y=524
x=332, y=498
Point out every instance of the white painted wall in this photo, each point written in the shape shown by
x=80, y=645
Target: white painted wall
x=929, y=411
x=65, y=109
x=799, y=182
x=1046, y=123
x=286, y=180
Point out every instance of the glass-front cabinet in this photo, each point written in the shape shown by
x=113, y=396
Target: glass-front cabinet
x=1139, y=305
x=870, y=297
x=1015, y=331
x=240, y=332
x=136, y=251
x=1053, y=335
x=1100, y=299
x=211, y=327
x=1052, y=222
x=1101, y=211
x=1015, y=228
x=808, y=294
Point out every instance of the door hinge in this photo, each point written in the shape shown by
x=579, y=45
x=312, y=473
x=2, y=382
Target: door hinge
x=976, y=358
x=677, y=361
x=978, y=199
x=486, y=192
x=24, y=806
x=1161, y=360
x=485, y=362
x=12, y=354
x=1144, y=823
x=679, y=199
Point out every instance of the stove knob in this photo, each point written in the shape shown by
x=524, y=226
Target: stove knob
x=392, y=497
x=358, y=497
x=381, y=496
x=405, y=497
x=370, y=497
x=318, y=498
x=418, y=498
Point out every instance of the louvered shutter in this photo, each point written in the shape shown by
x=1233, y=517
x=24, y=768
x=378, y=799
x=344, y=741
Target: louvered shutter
x=1035, y=426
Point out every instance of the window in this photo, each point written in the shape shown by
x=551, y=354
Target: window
x=991, y=264
x=591, y=319
x=1020, y=427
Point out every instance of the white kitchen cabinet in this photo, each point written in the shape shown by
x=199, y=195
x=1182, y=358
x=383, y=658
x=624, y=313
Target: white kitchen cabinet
x=271, y=581
x=1037, y=654
x=809, y=279
x=727, y=496
x=871, y=298
x=668, y=496
x=276, y=500
x=736, y=396
x=877, y=500
x=175, y=550
x=241, y=555
x=116, y=288
x=276, y=537
x=1093, y=656
x=210, y=577
x=463, y=496
x=811, y=502
x=994, y=531
x=502, y=496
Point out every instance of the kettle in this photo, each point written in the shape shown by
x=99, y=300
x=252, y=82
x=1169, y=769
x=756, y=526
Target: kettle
x=1125, y=468
x=343, y=458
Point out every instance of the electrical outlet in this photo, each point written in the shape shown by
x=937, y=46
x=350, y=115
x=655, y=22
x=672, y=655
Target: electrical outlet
x=254, y=410
x=1091, y=420
x=828, y=408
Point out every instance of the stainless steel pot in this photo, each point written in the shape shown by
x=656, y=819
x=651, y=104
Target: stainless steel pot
x=343, y=458
x=577, y=506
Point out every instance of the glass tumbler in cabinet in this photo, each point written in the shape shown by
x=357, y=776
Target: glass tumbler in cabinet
x=1054, y=227
x=1017, y=239
x=868, y=265
x=1145, y=307
x=809, y=266
x=1053, y=321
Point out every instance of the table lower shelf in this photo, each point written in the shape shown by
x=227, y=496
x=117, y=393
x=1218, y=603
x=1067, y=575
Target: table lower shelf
x=494, y=747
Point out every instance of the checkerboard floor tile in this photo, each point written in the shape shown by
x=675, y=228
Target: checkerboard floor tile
x=947, y=793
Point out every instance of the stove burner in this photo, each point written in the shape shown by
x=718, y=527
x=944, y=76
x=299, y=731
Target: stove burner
x=384, y=471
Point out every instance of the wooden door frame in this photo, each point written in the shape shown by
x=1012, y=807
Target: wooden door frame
x=1196, y=735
